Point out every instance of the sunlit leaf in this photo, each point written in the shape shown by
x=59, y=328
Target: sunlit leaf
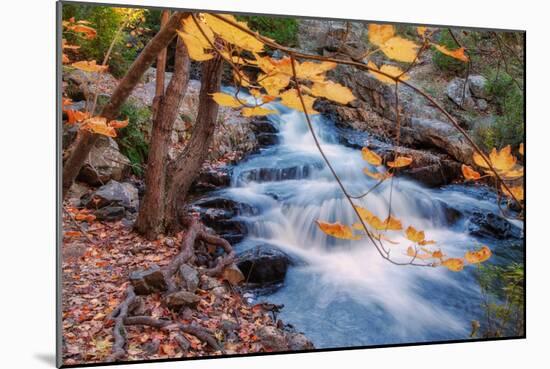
x=513, y=173
x=417, y=255
x=118, y=123
x=333, y=91
x=89, y=66
x=457, y=54
x=502, y=160
x=377, y=175
x=274, y=83
x=194, y=47
x=453, y=264
x=257, y=111
x=87, y=31
x=469, y=173
x=390, y=70
x=400, y=49
x=515, y=191
x=98, y=125
x=290, y=99
x=371, y=157
x=337, y=230
x=478, y=256
x=521, y=149
x=380, y=33
x=400, y=162
x=75, y=116
x=233, y=34
x=421, y=30
x=414, y=235
x=226, y=100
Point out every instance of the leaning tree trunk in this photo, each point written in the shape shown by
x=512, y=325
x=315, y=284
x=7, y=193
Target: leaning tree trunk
x=161, y=68
x=150, y=221
x=183, y=171
x=86, y=140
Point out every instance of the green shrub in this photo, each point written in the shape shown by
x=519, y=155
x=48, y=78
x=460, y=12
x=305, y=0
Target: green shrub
x=503, y=300
x=106, y=20
x=133, y=140
x=509, y=127
x=444, y=62
x=281, y=29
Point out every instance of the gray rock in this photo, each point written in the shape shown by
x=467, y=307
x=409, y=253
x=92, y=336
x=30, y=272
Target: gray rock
x=460, y=95
x=115, y=193
x=110, y=213
x=482, y=104
x=477, y=85
x=105, y=162
x=177, y=300
x=299, y=342
x=189, y=277
x=263, y=264
x=148, y=281
x=493, y=226
x=76, y=192
x=271, y=338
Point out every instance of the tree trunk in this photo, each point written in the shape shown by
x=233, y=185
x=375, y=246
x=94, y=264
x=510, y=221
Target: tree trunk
x=161, y=68
x=150, y=221
x=86, y=140
x=183, y=171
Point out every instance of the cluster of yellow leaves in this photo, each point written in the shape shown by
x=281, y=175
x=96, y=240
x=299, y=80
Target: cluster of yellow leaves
x=96, y=124
x=418, y=237
x=504, y=163
x=274, y=75
x=382, y=173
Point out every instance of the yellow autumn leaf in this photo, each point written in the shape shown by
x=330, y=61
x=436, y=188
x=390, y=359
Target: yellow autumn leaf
x=390, y=70
x=453, y=264
x=502, y=160
x=257, y=111
x=274, y=83
x=393, y=224
x=437, y=254
x=521, y=149
x=400, y=49
x=400, y=162
x=90, y=66
x=478, y=256
x=194, y=47
x=457, y=54
x=516, y=191
x=313, y=71
x=513, y=173
x=191, y=28
x=414, y=235
x=98, y=125
x=290, y=99
x=365, y=214
x=415, y=254
x=88, y=32
x=469, y=173
x=233, y=34
x=421, y=30
x=380, y=33
x=226, y=100
x=371, y=157
x=377, y=175
x=337, y=230
x=333, y=91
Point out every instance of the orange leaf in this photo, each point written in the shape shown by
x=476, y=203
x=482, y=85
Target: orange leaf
x=400, y=161
x=88, y=32
x=453, y=264
x=469, y=173
x=516, y=192
x=521, y=149
x=98, y=125
x=414, y=235
x=76, y=116
x=377, y=175
x=118, y=123
x=337, y=230
x=478, y=256
x=457, y=54
x=90, y=66
x=371, y=157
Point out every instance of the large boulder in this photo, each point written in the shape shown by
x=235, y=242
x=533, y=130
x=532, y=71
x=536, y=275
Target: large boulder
x=460, y=94
x=490, y=225
x=115, y=193
x=104, y=162
x=263, y=265
x=211, y=179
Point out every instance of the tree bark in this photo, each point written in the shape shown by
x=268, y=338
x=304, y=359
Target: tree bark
x=183, y=171
x=161, y=68
x=86, y=140
x=150, y=221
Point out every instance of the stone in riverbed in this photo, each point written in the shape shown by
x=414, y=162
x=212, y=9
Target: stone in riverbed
x=459, y=94
x=477, y=85
x=263, y=265
x=493, y=226
x=148, y=281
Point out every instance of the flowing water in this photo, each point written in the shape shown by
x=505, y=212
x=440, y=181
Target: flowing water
x=344, y=293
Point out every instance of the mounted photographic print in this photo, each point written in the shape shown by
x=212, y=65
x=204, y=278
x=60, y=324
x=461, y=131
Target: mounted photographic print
x=242, y=184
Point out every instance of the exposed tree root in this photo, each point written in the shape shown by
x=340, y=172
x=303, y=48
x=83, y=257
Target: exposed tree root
x=123, y=313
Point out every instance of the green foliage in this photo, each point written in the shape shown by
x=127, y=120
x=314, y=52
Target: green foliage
x=508, y=128
x=281, y=29
x=444, y=62
x=106, y=20
x=133, y=140
x=504, y=300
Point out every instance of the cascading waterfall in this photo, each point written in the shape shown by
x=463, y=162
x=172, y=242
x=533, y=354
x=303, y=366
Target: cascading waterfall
x=344, y=293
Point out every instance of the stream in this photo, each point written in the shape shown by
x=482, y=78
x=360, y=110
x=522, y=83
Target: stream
x=343, y=293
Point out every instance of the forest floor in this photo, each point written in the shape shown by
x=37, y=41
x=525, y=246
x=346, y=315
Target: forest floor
x=97, y=259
